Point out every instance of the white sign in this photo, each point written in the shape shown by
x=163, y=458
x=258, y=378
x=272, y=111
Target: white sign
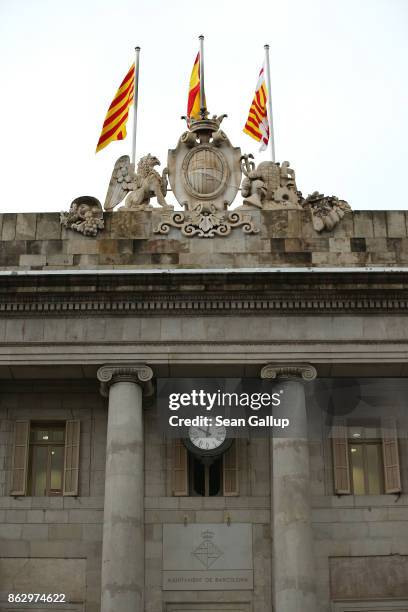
x=212, y=556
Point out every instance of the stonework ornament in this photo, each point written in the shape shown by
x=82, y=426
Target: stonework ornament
x=327, y=211
x=269, y=186
x=139, y=187
x=85, y=216
x=205, y=222
x=205, y=174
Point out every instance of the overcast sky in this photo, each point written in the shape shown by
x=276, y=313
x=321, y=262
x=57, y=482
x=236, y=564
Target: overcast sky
x=339, y=88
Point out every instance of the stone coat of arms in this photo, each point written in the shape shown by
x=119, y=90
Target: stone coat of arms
x=205, y=176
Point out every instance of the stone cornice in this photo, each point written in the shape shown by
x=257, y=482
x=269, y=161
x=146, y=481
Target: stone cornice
x=199, y=293
x=138, y=373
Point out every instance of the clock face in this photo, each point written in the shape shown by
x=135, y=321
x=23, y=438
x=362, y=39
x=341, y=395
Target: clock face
x=207, y=438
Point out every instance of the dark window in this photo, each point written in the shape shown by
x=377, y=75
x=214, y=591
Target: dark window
x=205, y=479
x=46, y=459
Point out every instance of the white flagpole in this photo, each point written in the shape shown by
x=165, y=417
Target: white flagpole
x=202, y=94
x=270, y=116
x=135, y=101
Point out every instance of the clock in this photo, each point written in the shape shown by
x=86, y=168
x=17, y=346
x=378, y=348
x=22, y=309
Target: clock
x=208, y=441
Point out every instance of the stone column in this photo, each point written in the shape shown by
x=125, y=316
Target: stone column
x=294, y=576
x=123, y=528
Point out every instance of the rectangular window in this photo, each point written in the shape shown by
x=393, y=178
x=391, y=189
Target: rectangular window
x=194, y=477
x=46, y=463
x=366, y=467
x=366, y=458
x=46, y=458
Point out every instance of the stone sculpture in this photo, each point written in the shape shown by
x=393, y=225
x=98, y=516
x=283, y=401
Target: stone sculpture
x=327, y=211
x=205, y=174
x=140, y=187
x=269, y=186
x=84, y=216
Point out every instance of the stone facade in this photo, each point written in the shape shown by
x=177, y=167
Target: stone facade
x=285, y=238
x=224, y=306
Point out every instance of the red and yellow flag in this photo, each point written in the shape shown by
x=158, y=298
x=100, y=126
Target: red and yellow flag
x=257, y=124
x=194, y=102
x=114, y=126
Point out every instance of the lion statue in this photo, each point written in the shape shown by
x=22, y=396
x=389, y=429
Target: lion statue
x=146, y=183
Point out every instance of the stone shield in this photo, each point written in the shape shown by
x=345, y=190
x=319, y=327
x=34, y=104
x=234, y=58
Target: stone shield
x=207, y=173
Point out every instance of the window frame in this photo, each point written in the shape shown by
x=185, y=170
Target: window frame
x=49, y=444
x=21, y=473
x=364, y=442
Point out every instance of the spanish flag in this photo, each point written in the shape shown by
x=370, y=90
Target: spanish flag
x=257, y=124
x=114, y=126
x=194, y=103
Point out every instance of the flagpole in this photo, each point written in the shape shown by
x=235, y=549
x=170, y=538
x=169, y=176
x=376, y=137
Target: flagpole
x=135, y=101
x=270, y=116
x=202, y=94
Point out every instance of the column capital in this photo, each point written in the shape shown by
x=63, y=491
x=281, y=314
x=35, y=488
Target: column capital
x=289, y=371
x=138, y=373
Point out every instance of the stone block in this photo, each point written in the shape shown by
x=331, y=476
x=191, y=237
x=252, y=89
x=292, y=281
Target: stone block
x=396, y=223
x=10, y=253
x=35, y=516
x=48, y=226
x=293, y=244
x=130, y=224
x=339, y=245
x=32, y=260
x=385, y=257
x=56, y=516
x=165, y=259
x=85, y=516
x=276, y=223
x=358, y=245
x=26, y=226
x=16, y=516
x=363, y=577
x=44, y=576
x=9, y=226
x=92, y=533
x=301, y=258
x=278, y=244
x=376, y=244
x=344, y=229
x=210, y=516
x=60, y=260
x=167, y=245
x=82, y=247
x=10, y=531
x=379, y=223
x=363, y=224
x=316, y=244
x=65, y=532
x=86, y=261
x=35, y=532
x=294, y=223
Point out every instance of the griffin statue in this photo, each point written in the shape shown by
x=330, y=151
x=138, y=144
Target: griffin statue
x=146, y=183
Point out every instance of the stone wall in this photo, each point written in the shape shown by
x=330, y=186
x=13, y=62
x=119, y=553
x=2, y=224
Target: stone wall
x=32, y=241
x=67, y=528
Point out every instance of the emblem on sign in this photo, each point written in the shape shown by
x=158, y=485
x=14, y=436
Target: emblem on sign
x=207, y=552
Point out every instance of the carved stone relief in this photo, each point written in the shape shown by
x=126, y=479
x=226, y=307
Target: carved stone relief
x=84, y=216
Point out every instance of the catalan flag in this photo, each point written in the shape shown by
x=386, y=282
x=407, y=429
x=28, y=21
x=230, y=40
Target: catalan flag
x=114, y=126
x=257, y=124
x=194, y=102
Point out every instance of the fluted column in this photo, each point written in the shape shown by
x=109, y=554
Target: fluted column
x=294, y=576
x=123, y=529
